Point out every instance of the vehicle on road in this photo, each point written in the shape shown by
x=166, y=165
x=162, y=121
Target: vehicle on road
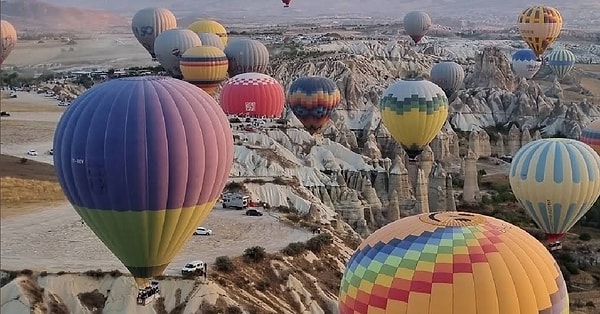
x=32, y=152
x=235, y=200
x=202, y=231
x=253, y=212
x=194, y=268
x=4, y=114
x=51, y=151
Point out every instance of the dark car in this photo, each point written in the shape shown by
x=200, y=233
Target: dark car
x=253, y=212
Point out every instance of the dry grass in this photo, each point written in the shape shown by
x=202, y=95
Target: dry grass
x=12, y=106
x=18, y=195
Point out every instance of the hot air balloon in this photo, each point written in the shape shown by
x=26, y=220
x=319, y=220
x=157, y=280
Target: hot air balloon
x=210, y=39
x=451, y=263
x=525, y=63
x=561, y=61
x=416, y=25
x=143, y=160
x=591, y=135
x=313, y=99
x=210, y=26
x=556, y=180
x=253, y=94
x=246, y=55
x=148, y=23
x=8, y=35
x=286, y=3
x=448, y=75
x=205, y=67
x=414, y=111
x=540, y=26
x=170, y=46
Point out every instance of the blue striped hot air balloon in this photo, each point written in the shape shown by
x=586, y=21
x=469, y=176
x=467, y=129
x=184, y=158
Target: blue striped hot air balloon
x=557, y=181
x=561, y=61
x=525, y=63
x=313, y=99
x=143, y=161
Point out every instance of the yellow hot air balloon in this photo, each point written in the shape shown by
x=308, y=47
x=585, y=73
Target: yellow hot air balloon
x=557, y=181
x=205, y=67
x=539, y=27
x=210, y=26
x=414, y=111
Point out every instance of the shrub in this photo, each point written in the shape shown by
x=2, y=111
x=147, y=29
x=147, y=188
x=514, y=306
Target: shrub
x=294, y=249
x=115, y=273
x=293, y=217
x=254, y=254
x=566, y=274
x=316, y=244
x=262, y=286
x=43, y=273
x=590, y=304
x=23, y=160
x=585, y=236
x=27, y=272
x=224, y=264
x=95, y=273
x=572, y=268
x=233, y=309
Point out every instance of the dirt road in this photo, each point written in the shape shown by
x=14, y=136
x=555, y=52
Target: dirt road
x=56, y=240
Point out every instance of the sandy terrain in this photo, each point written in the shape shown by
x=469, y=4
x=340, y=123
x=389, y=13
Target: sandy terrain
x=52, y=237
x=112, y=50
x=55, y=240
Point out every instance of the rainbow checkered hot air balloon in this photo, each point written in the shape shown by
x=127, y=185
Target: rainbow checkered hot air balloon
x=591, y=135
x=414, y=111
x=143, y=160
x=556, y=180
x=204, y=66
x=452, y=263
x=313, y=99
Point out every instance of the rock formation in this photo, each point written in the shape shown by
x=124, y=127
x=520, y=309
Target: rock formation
x=471, y=186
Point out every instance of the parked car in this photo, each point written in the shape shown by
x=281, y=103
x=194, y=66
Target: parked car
x=253, y=212
x=51, y=151
x=193, y=268
x=32, y=152
x=202, y=231
x=4, y=114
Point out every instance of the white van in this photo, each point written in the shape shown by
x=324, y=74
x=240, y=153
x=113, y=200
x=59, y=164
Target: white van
x=235, y=200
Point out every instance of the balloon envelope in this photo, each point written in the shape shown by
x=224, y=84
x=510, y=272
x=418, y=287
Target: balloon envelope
x=448, y=75
x=453, y=263
x=148, y=23
x=414, y=111
x=556, y=181
x=8, y=35
x=204, y=66
x=143, y=161
x=286, y=3
x=253, y=94
x=540, y=26
x=313, y=99
x=591, y=135
x=170, y=46
x=525, y=63
x=416, y=24
x=210, y=26
x=246, y=55
x=210, y=39
x=561, y=61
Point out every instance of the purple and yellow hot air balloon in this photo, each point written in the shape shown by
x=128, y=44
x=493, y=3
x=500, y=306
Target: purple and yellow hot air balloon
x=204, y=66
x=143, y=161
x=313, y=99
x=452, y=263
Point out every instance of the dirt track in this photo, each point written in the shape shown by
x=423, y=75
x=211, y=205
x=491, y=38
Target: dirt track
x=55, y=240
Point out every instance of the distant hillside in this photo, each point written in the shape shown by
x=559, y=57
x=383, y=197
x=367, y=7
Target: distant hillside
x=33, y=15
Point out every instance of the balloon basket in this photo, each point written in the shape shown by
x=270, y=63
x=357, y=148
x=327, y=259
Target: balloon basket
x=554, y=246
x=148, y=294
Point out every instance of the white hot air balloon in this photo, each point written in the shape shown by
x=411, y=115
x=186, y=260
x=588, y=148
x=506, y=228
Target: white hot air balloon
x=147, y=24
x=170, y=46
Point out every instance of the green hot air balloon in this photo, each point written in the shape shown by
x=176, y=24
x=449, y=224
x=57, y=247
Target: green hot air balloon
x=561, y=61
x=448, y=75
x=246, y=55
